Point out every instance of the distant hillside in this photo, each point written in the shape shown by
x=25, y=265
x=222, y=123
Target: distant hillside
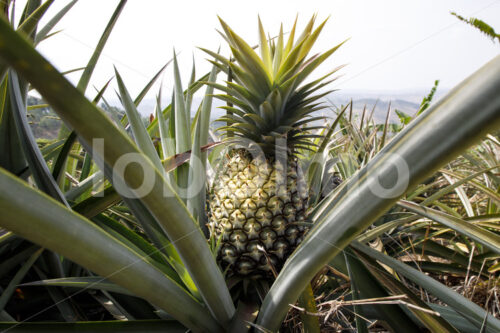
x=43, y=121
x=46, y=124
x=381, y=108
x=405, y=101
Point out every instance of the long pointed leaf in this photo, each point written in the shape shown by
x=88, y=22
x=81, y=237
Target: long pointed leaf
x=478, y=234
x=30, y=23
x=89, y=69
x=89, y=122
x=141, y=135
x=87, y=282
x=42, y=34
x=473, y=312
x=63, y=231
x=37, y=164
x=431, y=140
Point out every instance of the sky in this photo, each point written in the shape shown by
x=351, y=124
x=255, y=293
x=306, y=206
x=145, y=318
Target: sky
x=392, y=46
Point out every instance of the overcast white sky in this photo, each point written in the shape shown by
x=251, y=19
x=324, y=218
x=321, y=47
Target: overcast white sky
x=393, y=45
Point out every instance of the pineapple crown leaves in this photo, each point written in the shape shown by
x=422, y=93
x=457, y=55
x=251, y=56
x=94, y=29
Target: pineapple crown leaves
x=266, y=96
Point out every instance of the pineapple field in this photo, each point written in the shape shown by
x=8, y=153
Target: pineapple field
x=287, y=213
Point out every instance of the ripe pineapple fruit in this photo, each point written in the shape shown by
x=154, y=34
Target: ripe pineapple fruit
x=258, y=201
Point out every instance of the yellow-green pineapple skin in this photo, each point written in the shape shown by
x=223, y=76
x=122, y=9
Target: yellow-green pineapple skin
x=259, y=222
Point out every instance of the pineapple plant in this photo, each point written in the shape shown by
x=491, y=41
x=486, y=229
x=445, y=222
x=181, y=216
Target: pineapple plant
x=258, y=201
x=145, y=257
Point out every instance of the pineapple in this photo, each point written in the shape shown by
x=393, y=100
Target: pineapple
x=258, y=201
